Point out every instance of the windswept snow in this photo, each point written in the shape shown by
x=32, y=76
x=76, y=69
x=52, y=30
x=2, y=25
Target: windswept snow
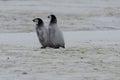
x=89, y=55
x=16, y=15
x=71, y=38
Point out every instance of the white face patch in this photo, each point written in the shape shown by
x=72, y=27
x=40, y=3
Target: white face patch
x=36, y=21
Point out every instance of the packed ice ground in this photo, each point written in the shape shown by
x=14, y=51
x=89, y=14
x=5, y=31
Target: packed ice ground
x=94, y=55
x=90, y=53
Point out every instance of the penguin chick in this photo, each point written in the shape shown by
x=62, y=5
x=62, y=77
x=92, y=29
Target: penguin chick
x=42, y=32
x=56, y=38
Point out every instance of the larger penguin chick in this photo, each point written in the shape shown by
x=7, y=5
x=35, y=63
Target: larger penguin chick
x=42, y=32
x=56, y=38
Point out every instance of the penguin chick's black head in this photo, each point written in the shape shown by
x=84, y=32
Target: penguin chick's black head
x=53, y=18
x=38, y=21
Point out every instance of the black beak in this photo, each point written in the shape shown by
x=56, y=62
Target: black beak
x=33, y=20
x=48, y=16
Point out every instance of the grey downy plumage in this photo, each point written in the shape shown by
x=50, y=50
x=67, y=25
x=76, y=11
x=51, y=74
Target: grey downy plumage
x=56, y=38
x=42, y=32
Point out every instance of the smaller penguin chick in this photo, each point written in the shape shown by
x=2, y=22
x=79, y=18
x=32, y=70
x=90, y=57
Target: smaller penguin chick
x=42, y=32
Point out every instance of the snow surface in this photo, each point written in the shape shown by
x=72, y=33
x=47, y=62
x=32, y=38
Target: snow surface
x=17, y=15
x=89, y=55
x=71, y=38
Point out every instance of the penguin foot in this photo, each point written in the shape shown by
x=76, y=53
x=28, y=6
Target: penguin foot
x=43, y=47
x=56, y=47
x=63, y=46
